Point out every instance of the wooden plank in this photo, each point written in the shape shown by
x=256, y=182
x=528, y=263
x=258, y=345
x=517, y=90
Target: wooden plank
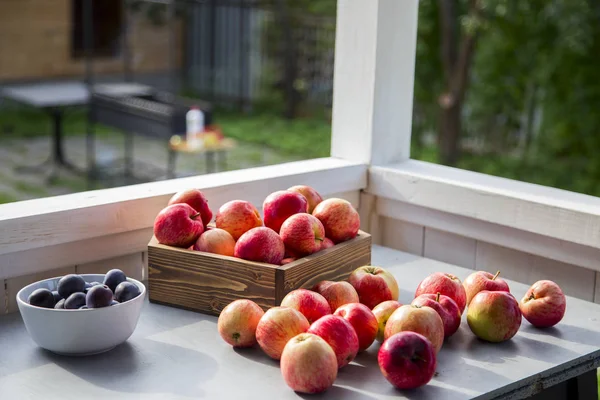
x=559, y=214
x=560, y=250
x=13, y=285
x=41, y=223
x=526, y=268
x=131, y=265
x=403, y=236
x=74, y=253
x=373, y=80
x=369, y=218
x=450, y=248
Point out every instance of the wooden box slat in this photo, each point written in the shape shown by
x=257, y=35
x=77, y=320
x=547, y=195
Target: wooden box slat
x=207, y=282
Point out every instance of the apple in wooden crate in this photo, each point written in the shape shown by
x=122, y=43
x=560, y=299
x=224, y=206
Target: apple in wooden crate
x=195, y=199
x=216, y=241
x=261, y=245
x=362, y=320
x=276, y=327
x=446, y=284
x=336, y=293
x=178, y=225
x=238, y=321
x=481, y=280
x=280, y=205
x=308, y=364
x=446, y=309
x=312, y=196
x=382, y=312
x=374, y=285
x=327, y=243
x=302, y=234
x=237, y=217
x=544, y=304
x=407, y=360
x=340, y=219
x=340, y=335
x=423, y=320
x=311, y=304
x=494, y=316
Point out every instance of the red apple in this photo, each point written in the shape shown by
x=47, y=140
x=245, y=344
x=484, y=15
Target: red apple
x=423, y=320
x=195, y=199
x=327, y=243
x=238, y=321
x=281, y=205
x=340, y=219
x=374, y=285
x=308, y=364
x=311, y=304
x=260, y=245
x=237, y=217
x=544, y=304
x=288, y=260
x=446, y=309
x=494, y=316
x=178, y=225
x=277, y=327
x=217, y=241
x=407, y=360
x=336, y=293
x=362, y=320
x=446, y=284
x=312, y=196
x=302, y=234
x=340, y=335
x=481, y=280
x=382, y=312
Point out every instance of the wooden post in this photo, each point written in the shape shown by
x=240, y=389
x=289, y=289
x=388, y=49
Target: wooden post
x=373, y=83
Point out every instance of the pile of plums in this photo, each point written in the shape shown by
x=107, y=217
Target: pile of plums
x=74, y=293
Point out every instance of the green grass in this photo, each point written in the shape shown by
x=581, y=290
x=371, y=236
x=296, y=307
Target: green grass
x=6, y=198
x=29, y=188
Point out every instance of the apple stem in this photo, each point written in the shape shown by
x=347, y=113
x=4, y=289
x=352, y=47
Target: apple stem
x=437, y=298
x=319, y=239
x=495, y=276
x=195, y=216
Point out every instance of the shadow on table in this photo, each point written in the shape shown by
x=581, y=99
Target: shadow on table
x=337, y=392
x=576, y=334
x=128, y=369
x=257, y=355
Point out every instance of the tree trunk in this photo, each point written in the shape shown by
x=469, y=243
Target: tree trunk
x=449, y=138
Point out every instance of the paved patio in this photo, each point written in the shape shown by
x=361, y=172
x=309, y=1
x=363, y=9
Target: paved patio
x=150, y=157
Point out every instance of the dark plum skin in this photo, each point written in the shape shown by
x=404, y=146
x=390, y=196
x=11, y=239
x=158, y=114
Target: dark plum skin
x=57, y=297
x=89, y=285
x=113, y=278
x=69, y=284
x=126, y=291
x=41, y=298
x=99, y=296
x=60, y=305
x=75, y=301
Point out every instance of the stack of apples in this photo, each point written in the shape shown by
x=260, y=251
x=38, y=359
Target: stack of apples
x=297, y=222
x=316, y=332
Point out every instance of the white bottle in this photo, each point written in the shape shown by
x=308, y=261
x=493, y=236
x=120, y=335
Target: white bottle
x=194, y=127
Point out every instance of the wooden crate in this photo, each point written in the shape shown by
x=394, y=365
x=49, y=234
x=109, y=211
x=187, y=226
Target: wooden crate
x=207, y=282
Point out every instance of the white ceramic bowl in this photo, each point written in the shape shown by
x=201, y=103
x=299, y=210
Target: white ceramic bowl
x=80, y=332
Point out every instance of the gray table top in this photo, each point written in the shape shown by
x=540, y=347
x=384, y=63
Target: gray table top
x=66, y=94
x=176, y=354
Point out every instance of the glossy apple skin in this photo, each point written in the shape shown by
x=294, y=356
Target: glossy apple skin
x=494, y=316
x=327, y=243
x=446, y=309
x=311, y=304
x=302, y=234
x=195, y=199
x=374, y=285
x=446, y=284
x=277, y=327
x=423, y=320
x=178, y=225
x=383, y=312
x=407, y=360
x=362, y=320
x=312, y=196
x=336, y=293
x=340, y=335
x=308, y=364
x=216, y=241
x=340, y=219
x=280, y=205
x=237, y=217
x=482, y=280
x=260, y=245
x=238, y=321
x=544, y=304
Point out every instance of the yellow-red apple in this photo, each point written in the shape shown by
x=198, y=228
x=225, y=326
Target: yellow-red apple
x=374, y=285
x=494, y=316
x=446, y=284
x=311, y=304
x=195, y=199
x=217, y=241
x=446, y=309
x=302, y=234
x=260, y=244
x=340, y=219
x=277, y=327
x=280, y=205
x=544, y=304
x=340, y=335
x=362, y=320
x=312, y=196
x=382, y=312
x=336, y=293
x=238, y=321
x=481, y=280
x=423, y=320
x=237, y=217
